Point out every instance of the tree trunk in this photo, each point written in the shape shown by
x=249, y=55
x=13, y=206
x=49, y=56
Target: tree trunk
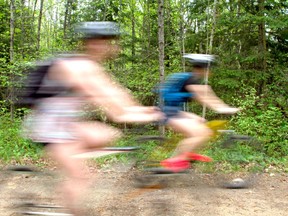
x=105, y=10
x=261, y=45
x=182, y=38
x=66, y=17
x=239, y=50
x=11, y=51
x=161, y=38
x=146, y=32
x=262, y=38
x=210, y=48
x=161, y=49
x=34, y=9
x=22, y=17
x=39, y=25
x=133, y=32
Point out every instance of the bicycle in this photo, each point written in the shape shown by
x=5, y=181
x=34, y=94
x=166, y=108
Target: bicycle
x=155, y=176
x=149, y=176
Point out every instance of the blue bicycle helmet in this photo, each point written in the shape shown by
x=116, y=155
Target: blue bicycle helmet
x=101, y=29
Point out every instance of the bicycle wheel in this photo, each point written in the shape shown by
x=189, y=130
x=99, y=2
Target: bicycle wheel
x=238, y=149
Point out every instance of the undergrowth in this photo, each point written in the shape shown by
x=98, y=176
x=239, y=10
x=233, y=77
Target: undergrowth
x=13, y=147
x=238, y=156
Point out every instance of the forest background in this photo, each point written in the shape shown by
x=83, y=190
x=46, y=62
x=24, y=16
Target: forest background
x=249, y=38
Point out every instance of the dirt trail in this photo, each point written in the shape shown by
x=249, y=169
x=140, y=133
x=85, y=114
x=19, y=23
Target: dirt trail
x=113, y=193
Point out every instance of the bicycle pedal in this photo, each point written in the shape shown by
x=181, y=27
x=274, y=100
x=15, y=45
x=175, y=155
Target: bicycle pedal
x=106, y=151
x=164, y=171
x=20, y=168
x=40, y=206
x=45, y=213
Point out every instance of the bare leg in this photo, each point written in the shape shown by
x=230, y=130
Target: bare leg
x=73, y=169
x=194, y=129
x=96, y=135
x=90, y=136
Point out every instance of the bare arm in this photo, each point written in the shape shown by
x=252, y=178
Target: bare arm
x=90, y=80
x=206, y=96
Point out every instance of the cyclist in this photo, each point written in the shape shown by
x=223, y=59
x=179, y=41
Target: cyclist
x=73, y=81
x=176, y=90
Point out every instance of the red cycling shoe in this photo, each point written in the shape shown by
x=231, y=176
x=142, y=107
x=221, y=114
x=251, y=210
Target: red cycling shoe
x=198, y=157
x=182, y=162
x=176, y=164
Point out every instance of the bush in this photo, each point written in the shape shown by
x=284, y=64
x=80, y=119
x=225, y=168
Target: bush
x=265, y=122
x=13, y=147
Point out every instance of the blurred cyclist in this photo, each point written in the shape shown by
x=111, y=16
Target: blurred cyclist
x=71, y=82
x=175, y=91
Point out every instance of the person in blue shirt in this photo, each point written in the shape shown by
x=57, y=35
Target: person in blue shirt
x=177, y=90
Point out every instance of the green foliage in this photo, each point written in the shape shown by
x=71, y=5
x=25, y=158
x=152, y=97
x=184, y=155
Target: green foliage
x=264, y=115
x=146, y=150
x=267, y=124
x=238, y=78
x=10, y=79
x=4, y=30
x=239, y=156
x=12, y=146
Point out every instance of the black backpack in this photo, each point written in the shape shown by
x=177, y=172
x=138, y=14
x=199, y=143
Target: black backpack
x=34, y=88
x=29, y=93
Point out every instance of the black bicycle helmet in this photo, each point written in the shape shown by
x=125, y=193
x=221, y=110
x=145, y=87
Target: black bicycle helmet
x=200, y=60
x=101, y=29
